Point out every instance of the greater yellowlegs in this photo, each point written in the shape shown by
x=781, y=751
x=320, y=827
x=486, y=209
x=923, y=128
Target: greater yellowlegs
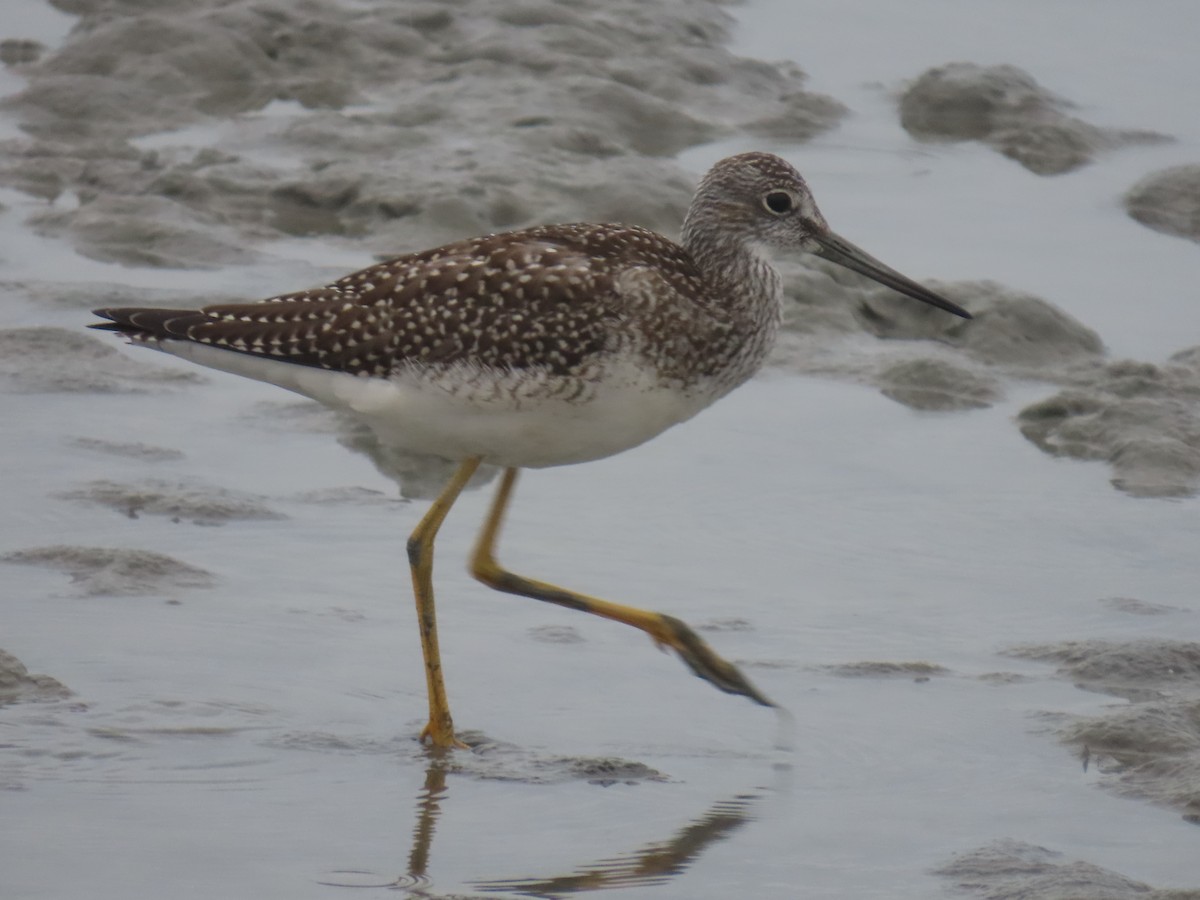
x=543, y=347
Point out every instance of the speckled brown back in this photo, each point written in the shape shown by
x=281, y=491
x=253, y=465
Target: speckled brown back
x=554, y=297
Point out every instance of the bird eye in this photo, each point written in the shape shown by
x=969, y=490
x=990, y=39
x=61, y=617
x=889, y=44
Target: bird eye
x=778, y=202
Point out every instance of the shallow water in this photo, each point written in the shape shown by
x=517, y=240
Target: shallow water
x=256, y=739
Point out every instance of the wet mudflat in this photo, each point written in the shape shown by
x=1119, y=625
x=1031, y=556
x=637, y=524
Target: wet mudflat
x=988, y=647
x=258, y=736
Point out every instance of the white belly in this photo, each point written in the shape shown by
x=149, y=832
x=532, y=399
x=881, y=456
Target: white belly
x=517, y=420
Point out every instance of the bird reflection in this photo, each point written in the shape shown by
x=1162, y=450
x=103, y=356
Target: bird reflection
x=653, y=863
x=429, y=807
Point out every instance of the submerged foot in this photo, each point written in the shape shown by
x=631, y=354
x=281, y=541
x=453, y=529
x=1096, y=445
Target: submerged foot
x=440, y=736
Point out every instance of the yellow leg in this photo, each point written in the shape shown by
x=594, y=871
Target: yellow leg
x=440, y=730
x=666, y=631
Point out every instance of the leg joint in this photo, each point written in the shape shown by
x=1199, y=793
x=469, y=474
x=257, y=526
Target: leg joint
x=415, y=547
x=486, y=570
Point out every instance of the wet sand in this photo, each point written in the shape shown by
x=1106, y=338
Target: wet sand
x=894, y=530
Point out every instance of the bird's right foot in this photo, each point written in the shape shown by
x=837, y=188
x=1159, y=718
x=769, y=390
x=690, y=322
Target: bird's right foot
x=440, y=736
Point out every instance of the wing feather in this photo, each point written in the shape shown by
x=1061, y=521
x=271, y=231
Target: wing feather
x=548, y=297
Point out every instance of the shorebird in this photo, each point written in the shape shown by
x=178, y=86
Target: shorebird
x=544, y=347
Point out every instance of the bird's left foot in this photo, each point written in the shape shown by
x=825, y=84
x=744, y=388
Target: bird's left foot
x=704, y=661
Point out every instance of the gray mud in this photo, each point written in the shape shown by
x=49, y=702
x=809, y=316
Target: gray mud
x=54, y=295
x=1149, y=748
x=936, y=385
x=1168, y=201
x=1013, y=870
x=556, y=634
x=1141, y=419
x=1135, y=670
x=146, y=231
x=17, y=52
x=18, y=686
x=1005, y=108
x=503, y=762
x=436, y=160
x=489, y=760
x=126, y=449
x=350, y=495
x=198, y=504
x=114, y=572
x=46, y=359
x=1136, y=607
x=730, y=623
x=1014, y=332
x=916, y=670
x=928, y=360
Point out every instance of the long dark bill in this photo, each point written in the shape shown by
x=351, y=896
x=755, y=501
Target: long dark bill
x=838, y=250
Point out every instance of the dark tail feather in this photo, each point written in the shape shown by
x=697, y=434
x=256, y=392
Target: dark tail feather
x=141, y=322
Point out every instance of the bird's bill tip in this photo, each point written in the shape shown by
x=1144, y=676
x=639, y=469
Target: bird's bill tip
x=838, y=250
